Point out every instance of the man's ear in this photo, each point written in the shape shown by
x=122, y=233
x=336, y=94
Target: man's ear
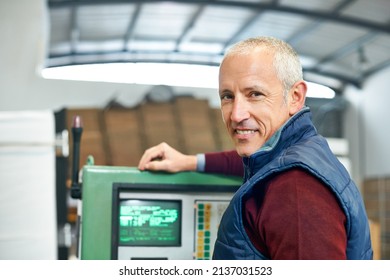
x=297, y=96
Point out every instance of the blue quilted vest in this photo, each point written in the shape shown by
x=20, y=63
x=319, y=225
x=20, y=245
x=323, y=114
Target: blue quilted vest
x=296, y=144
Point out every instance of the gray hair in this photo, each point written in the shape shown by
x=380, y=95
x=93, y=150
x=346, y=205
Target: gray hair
x=286, y=62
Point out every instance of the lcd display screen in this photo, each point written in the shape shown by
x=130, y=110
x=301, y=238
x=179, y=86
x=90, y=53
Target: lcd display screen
x=149, y=222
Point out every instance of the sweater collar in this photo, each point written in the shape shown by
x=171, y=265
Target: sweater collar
x=296, y=127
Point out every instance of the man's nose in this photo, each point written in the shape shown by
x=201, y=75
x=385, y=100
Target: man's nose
x=240, y=110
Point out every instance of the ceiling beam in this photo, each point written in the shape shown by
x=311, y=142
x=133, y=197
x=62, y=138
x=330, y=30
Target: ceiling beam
x=184, y=36
x=303, y=32
x=130, y=29
x=74, y=29
x=346, y=49
x=376, y=68
x=244, y=27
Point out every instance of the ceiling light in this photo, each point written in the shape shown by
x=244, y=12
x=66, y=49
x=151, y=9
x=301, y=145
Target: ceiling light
x=182, y=75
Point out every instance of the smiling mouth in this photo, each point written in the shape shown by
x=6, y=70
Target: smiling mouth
x=244, y=131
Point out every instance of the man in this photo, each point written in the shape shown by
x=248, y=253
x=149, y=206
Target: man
x=297, y=200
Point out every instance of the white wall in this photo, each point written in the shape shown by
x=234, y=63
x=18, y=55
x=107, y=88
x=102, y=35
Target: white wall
x=376, y=125
x=353, y=132
x=28, y=223
x=368, y=128
x=24, y=33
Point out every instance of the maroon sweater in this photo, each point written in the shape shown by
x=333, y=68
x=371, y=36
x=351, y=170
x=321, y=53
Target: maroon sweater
x=292, y=216
x=228, y=163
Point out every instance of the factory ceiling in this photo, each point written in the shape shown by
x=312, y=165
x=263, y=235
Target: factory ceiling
x=340, y=42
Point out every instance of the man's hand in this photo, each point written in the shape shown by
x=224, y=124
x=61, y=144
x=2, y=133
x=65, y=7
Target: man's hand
x=163, y=157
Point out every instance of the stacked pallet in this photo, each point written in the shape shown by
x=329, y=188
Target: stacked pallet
x=196, y=125
x=159, y=124
x=223, y=138
x=376, y=193
x=124, y=142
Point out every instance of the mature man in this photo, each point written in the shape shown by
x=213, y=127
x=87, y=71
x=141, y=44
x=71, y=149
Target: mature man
x=297, y=200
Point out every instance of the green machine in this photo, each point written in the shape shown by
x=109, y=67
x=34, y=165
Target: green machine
x=129, y=214
x=125, y=213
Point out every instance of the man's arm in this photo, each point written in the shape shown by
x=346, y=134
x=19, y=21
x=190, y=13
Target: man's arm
x=227, y=162
x=163, y=157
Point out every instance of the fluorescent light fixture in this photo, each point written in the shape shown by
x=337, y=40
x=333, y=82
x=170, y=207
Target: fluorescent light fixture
x=315, y=90
x=185, y=75
x=181, y=75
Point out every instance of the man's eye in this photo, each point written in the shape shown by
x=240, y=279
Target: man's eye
x=256, y=94
x=226, y=96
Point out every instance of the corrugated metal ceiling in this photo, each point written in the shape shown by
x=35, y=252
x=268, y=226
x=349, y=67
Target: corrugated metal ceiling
x=340, y=41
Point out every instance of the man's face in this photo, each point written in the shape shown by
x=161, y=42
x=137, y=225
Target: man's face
x=252, y=100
